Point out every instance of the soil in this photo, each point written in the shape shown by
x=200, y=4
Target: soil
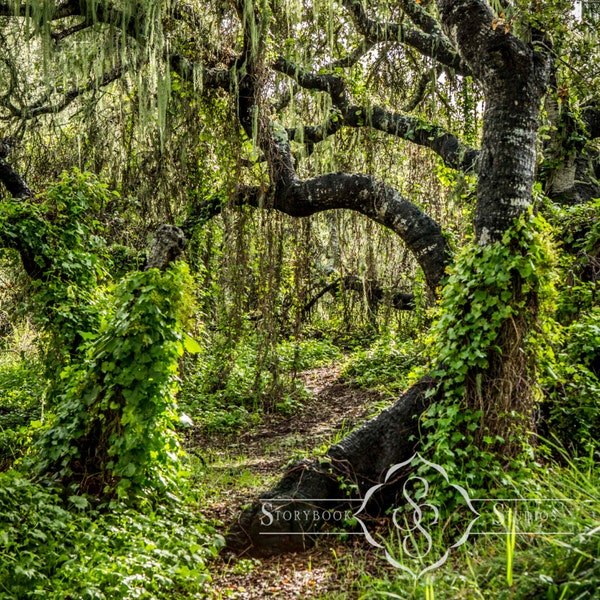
x=254, y=460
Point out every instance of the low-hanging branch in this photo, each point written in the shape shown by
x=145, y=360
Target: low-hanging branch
x=455, y=154
x=361, y=193
x=374, y=292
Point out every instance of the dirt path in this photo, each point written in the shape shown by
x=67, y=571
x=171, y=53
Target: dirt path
x=245, y=466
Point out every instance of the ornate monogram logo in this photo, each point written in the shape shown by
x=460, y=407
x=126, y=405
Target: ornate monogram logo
x=415, y=529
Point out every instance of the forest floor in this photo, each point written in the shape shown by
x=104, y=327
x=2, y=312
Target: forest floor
x=237, y=471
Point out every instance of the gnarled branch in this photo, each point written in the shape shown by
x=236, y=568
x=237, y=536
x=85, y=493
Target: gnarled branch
x=361, y=193
x=454, y=153
x=429, y=41
x=373, y=290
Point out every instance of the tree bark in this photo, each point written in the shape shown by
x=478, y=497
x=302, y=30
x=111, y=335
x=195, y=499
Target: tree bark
x=514, y=77
x=310, y=488
x=168, y=245
x=361, y=193
x=13, y=182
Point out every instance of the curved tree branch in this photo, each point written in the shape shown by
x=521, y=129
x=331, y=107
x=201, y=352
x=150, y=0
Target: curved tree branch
x=373, y=290
x=361, y=193
x=429, y=40
x=454, y=153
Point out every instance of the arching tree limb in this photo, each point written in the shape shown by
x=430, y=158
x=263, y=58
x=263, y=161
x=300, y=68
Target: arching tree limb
x=362, y=193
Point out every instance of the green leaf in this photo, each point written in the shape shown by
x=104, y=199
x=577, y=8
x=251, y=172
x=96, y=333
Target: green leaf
x=79, y=501
x=191, y=345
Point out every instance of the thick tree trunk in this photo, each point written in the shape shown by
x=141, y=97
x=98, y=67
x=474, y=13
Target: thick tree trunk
x=513, y=76
x=311, y=489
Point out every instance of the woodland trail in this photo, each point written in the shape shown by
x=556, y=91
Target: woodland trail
x=251, y=462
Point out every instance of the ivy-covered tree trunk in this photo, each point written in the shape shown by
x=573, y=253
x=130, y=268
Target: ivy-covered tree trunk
x=495, y=377
x=514, y=78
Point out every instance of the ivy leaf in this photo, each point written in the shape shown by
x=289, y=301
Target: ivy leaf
x=78, y=501
x=191, y=345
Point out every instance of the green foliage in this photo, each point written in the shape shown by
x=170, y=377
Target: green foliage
x=60, y=236
x=21, y=393
x=578, y=229
x=571, y=365
x=571, y=381
x=488, y=287
x=479, y=297
x=65, y=549
x=228, y=388
x=388, y=365
x=117, y=350
x=113, y=429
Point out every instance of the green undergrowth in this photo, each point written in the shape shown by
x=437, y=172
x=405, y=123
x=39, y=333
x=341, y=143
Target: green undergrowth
x=21, y=393
x=57, y=549
x=228, y=388
x=388, y=365
x=533, y=549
